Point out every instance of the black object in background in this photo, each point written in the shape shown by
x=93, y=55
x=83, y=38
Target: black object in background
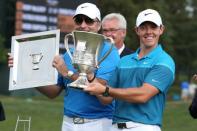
x=2, y=114
x=193, y=106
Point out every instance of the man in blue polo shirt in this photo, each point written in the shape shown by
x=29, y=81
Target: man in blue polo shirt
x=141, y=80
x=82, y=111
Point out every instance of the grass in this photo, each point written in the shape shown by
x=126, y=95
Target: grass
x=47, y=114
x=177, y=118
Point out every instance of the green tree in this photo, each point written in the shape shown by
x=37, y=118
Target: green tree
x=3, y=51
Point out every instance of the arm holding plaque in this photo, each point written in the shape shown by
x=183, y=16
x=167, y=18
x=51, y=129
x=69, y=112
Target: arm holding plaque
x=51, y=91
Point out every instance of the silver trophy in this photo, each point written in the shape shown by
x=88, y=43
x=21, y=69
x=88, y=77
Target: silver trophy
x=87, y=48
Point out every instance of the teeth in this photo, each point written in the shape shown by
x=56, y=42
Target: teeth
x=149, y=37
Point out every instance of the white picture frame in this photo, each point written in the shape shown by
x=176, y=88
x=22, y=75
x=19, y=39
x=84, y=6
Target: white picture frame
x=33, y=55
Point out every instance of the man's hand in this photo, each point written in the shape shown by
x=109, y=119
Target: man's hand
x=95, y=88
x=10, y=60
x=60, y=65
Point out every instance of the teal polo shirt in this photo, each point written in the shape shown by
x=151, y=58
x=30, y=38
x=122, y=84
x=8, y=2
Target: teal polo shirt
x=156, y=68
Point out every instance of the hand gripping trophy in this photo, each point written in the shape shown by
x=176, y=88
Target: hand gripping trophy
x=87, y=48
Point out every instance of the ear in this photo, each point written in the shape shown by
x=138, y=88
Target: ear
x=124, y=33
x=162, y=28
x=136, y=30
x=99, y=26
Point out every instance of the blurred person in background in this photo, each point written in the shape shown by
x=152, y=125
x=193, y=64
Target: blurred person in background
x=184, y=90
x=114, y=25
x=192, y=88
x=193, y=105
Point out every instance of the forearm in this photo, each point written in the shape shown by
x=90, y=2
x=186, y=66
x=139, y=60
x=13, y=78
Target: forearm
x=104, y=100
x=129, y=94
x=50, y=91
x=53, y=91
x=134, y=95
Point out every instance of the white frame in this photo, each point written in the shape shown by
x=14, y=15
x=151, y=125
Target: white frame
x=46, y=42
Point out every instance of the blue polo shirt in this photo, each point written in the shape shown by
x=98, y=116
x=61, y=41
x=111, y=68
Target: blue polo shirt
x=156, y=68
x=78, y=103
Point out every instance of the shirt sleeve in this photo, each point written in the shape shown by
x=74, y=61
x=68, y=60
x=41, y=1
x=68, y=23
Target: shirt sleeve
x=108, y=65
x=113, y=81
x=160, y=77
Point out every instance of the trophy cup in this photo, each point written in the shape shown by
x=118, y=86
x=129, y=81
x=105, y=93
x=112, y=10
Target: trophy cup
x=87, y=47
x=36, y=58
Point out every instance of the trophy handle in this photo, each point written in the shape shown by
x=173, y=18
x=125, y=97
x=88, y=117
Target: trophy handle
x=109, y=38
x=106, y=54
x=66, y=44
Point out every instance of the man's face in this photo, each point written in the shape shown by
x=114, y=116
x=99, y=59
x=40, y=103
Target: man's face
x=149, y=34
x=84, y=23
x=110, y=28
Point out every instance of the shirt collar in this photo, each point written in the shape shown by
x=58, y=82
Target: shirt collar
x=121, y=49
x=151, y=54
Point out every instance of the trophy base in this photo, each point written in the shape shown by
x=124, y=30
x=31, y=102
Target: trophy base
x=80, y=83
x=77, y=86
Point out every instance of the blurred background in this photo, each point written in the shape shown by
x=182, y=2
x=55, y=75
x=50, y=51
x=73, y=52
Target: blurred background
x=179, y=40
x=28, y=16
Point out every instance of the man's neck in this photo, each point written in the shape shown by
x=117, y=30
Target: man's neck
x=144, y=50
x=121, y=48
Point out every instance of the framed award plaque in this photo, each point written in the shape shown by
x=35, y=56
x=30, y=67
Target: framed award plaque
x=32, y=60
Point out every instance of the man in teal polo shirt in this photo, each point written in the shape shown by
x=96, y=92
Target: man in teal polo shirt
x=141, y=80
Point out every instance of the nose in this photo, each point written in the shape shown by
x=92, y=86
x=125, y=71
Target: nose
x=83, y=24
x=148, y=30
